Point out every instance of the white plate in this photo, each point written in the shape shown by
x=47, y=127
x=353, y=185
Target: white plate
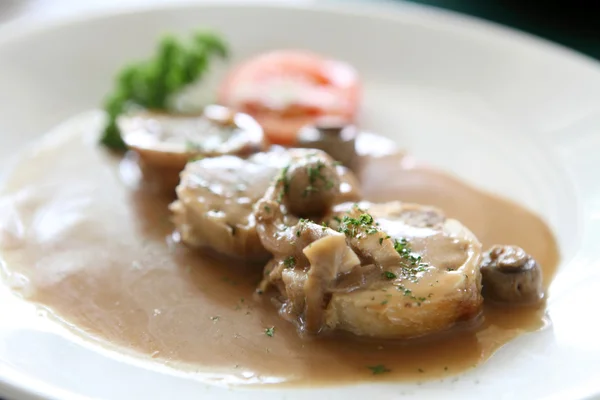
x=508, y=112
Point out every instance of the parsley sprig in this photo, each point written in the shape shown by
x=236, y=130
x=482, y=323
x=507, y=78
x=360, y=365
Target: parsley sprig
x=151, y=83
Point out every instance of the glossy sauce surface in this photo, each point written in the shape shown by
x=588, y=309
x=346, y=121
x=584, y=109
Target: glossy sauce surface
x=95, y=249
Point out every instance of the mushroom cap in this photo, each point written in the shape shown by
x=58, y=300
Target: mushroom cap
x=333, y=135
x=313, y=185
x=510, y=275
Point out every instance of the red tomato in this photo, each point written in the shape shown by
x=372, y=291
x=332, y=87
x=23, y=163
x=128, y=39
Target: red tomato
x=285, y=90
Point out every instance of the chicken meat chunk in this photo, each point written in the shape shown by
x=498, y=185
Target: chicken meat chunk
x=216, y=196
x=391, y=270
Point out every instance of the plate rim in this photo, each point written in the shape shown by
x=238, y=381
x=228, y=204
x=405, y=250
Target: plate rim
x=15, y=383
x=385, y=9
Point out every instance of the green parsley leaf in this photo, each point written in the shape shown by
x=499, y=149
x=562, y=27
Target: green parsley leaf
x=389, y=275
x=379, y=369
x=151, y=83
x=289, y=262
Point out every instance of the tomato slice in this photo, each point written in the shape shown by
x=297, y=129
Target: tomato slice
x=285, y=90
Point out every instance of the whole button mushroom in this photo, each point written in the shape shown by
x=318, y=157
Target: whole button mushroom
x=510, y=275
x=312, y=185
x=332, y=135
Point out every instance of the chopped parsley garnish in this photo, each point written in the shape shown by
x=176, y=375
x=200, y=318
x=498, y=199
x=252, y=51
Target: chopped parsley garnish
x=289, y=262
x=196, y=157
x=284, y=182
x=301, y=225
x=192, y=146
x=351, y=226
x=389, y=275
x=401, y=246
x=315, y=174
x=150, y=84
x=381, y=239
x=379, y=369
x=267, y=208
x=408, y=293
x=270, y=331
x=412, y=262
x=365, y=219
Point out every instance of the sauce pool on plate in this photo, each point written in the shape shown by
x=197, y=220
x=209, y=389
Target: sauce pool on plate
x=97, y=251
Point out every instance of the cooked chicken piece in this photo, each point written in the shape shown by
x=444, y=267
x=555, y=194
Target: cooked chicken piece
x=402, y=270
x=217, y=195
x=166, y=142
x=214, y=206
x=308, y=259
x=510, y=275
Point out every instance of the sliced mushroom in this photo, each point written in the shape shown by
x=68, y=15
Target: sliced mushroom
x=166, y=142
x=510, y=275
x=332, y=135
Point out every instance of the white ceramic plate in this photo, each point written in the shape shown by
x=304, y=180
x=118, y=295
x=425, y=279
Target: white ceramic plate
x=508, y=112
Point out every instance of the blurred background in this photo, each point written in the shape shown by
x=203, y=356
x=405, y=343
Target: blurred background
x=573, y=23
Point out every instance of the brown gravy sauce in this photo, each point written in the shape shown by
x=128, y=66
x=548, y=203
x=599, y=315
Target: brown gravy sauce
x=96, y=253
